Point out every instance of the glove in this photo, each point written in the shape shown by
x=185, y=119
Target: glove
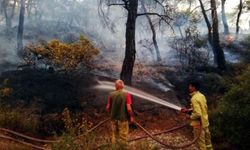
x=184, y=110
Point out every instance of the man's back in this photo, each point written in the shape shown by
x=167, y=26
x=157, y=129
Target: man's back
x=118, y=100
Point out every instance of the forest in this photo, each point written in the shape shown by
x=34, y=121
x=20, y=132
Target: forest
x=60, y=59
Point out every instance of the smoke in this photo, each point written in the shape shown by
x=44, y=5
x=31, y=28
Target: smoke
x=66, y=20
x=50, y=19
x=8, y=54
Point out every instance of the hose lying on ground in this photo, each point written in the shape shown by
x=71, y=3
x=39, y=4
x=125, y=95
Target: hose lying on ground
x=26, y=137
x=22, y=142
x=36, y=139
x=168, y=145
x=162, y=132
x=152, y=136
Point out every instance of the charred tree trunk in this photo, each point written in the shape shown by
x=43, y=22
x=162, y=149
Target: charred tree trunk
x=218, y=52
x=238, y=17
x=158, y=55
x=20, y=28
x=209, y=27
x=128, y=63
x=224, y=18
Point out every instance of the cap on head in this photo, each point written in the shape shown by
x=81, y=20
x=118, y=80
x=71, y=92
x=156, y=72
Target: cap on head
x=119, y=84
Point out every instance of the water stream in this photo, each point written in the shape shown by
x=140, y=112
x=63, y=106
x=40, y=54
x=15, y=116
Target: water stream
x=106, y=85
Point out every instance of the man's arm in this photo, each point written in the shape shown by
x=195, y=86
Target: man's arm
x=186, y=110
x=108, y=104
x=129, y=108
x=131, y=113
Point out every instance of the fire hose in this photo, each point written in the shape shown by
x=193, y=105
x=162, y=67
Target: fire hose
x=36, y=139
x=7, y=131
x=152, y=136
x=22, y=142
x=162, y=132
x=166, y=144
x=26, y=137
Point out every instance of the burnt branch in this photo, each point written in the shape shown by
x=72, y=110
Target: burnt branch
x=124, y=3
x=116, y=5
x=209, y=9
x=105, y=17
x=160, y=3
x=155, y=14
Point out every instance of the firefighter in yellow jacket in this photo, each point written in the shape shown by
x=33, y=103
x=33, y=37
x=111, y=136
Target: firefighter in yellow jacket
x=199, y=116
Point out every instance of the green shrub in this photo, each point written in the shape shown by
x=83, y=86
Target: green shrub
x=5, y=92
x=245, y=54
x=19, y=120
x=215, y=83
x=232, y=120
x=246, y=41
x=76, y=135
x=62, y=55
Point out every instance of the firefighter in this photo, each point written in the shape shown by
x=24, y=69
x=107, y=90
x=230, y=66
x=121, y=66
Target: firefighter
x=119, y=107
x=199, y=116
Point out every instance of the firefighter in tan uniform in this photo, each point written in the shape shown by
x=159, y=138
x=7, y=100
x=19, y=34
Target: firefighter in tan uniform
x=119, y=107
x=199, y=116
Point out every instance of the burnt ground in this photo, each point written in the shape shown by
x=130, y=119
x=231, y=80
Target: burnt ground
x=55, y=91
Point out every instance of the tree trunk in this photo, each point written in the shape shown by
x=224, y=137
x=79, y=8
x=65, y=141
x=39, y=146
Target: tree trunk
x=190, y=4
x=29, y=8
x=8, y=14
x=8, y=21
x=158, y=55
x=130, y=50
x=209, y=27
x=20, y=28
x=238, y=17
x=218, y=52
x=224, y=18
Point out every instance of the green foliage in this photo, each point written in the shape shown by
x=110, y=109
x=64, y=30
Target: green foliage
x=200, y=42
x=76, y=136
x=190, y=51
x=62, y=55
x=5, y=91
x=18, y=119
x=246, y=41
x=232, y=120
x=246, y=53
x=214, y=83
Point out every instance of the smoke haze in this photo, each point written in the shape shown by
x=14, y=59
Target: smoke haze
x=66, y=20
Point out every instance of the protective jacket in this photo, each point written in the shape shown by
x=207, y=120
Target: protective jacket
x=199, y=114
